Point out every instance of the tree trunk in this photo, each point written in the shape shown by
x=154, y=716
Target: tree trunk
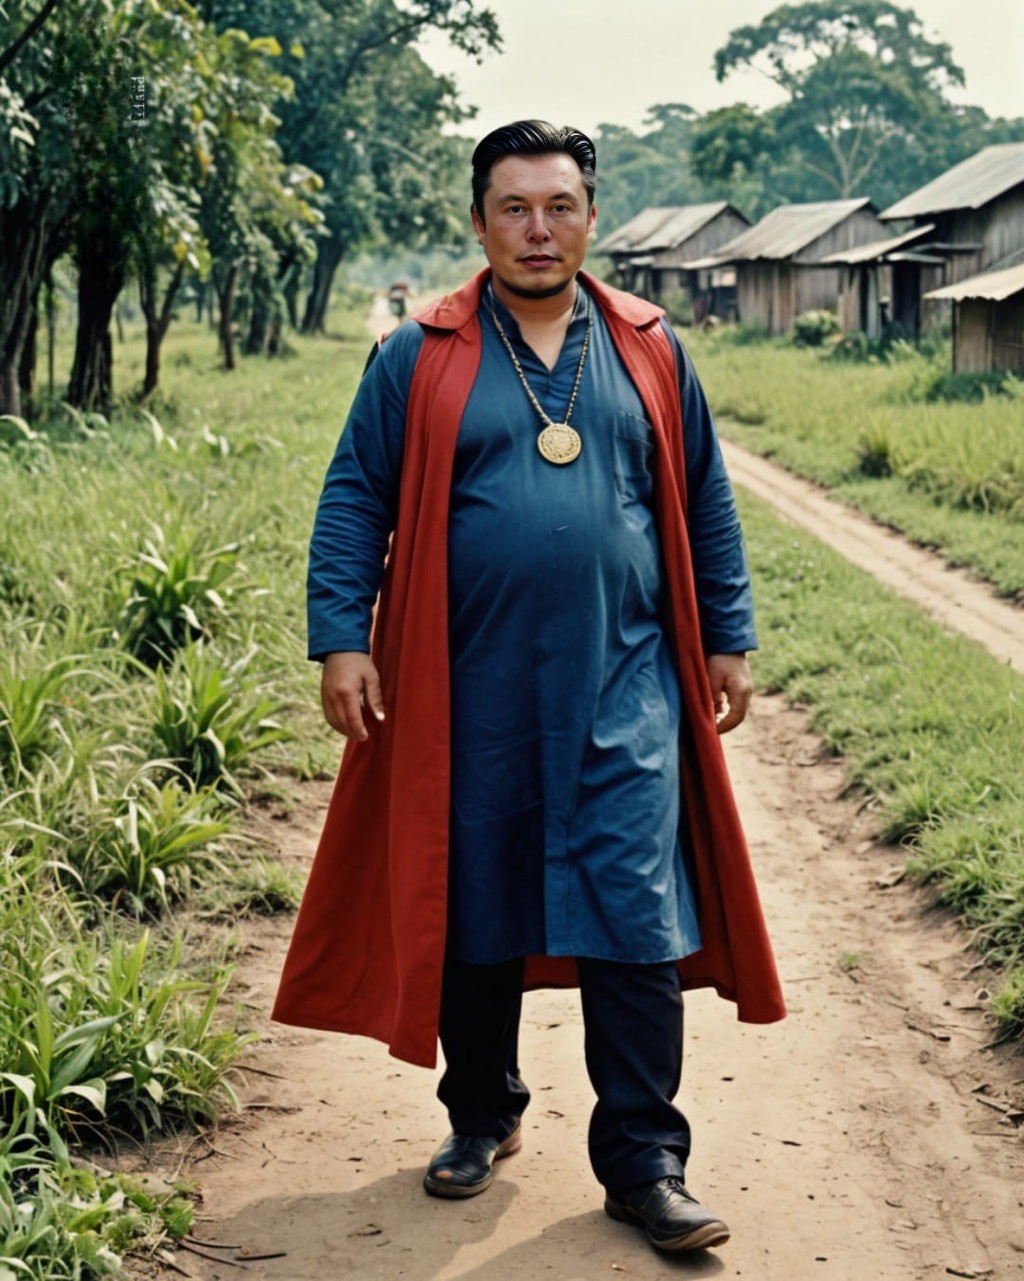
x=27, y=363
x=51, y=329
x=226, y=300
x=158, y=315
x=327, y=259
x=260, y=314
x=101, y=270
x=27, y=230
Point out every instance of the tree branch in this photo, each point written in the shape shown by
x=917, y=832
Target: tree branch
x=12, y=51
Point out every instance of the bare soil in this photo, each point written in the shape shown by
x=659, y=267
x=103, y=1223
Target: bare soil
x=876, y=1135
x=951, y=596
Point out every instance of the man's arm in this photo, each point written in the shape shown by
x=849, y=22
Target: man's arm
x=721, y=572
x=354, y=521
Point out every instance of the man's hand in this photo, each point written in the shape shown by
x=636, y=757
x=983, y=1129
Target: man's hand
x=350, y=682
x=731, y=688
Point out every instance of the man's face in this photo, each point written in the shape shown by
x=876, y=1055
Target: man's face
x=536, y=223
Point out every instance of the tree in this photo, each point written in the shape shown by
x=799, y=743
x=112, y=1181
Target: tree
x=366, y=115
x=866, y=88
x=733, y=153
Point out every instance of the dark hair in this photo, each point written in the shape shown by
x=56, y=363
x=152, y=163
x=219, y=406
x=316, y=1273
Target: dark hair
x=532, y=138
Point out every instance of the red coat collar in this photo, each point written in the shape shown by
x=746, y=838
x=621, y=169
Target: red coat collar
x=454, y=311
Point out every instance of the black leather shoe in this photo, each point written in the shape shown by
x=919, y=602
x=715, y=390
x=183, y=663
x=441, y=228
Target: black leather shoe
x=671, y=1217
x=464, y=1163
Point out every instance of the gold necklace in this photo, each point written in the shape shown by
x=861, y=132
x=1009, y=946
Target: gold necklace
x=558, y=442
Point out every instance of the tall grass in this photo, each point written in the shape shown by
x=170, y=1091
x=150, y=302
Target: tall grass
x=928, y=723
x=151, y=581
x=949, y=475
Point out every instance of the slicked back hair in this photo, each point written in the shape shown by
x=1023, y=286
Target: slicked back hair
x=532, y=138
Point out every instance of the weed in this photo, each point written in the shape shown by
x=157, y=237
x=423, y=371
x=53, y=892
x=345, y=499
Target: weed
x=209, y=721
x=176, y=594
x=145, y=847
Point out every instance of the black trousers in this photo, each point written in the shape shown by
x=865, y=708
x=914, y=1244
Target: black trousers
x=633, y=1019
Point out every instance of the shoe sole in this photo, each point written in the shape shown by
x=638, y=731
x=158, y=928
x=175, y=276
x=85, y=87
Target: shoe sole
x=705, y=1237
x=459, y=1191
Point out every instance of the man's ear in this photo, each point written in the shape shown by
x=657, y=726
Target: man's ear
x=478, y=223
x=592, y=220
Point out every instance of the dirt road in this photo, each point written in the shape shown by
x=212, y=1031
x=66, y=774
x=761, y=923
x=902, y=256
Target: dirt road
x=954, y=599
x=870, y=1136
x=873, y=1136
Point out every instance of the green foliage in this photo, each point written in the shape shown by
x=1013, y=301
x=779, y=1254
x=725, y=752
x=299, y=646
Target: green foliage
x=209, y=721
x=864, y=85
x=94, y=1029
x=949, y=475
x=32, y=704
x=176, y=593
x=927, y=723
x=814, y=328
x=148, y=846
x=971, y=389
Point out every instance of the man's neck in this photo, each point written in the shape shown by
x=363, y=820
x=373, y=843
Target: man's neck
x=543, y=311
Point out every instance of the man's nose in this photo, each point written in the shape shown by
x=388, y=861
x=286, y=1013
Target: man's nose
x=537, y=227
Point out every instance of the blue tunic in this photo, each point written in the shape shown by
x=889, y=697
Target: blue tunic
x=565, y=701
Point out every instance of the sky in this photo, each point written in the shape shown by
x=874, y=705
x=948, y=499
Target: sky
x=587, y=62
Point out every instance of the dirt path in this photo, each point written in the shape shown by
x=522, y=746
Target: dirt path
x=959, y=602
x=873, y=1136
x=870, y=1136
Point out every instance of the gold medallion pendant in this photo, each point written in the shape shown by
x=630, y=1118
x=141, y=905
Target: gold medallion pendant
x=559, y=444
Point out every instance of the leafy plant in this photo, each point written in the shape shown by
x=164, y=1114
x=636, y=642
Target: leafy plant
x=144, y=848
x=32, y=703
x=175, y=595
x=814, y=328
x=96, y=1029
x=209, y=720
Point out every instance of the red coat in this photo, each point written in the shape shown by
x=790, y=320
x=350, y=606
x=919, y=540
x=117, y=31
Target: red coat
x=368, y=947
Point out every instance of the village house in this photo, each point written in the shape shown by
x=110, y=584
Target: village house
x=779, y=262
x=880, y=284
x=975, y=212
x=650, y=249
x=988, y=320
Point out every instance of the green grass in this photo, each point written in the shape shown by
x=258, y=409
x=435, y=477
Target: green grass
x=949, y=476
x=152, y=574
x=929, y=723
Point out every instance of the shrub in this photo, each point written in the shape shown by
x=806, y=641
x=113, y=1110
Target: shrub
x=814, y=328
x=146, y=846
x=209, y=721
x=175, y=595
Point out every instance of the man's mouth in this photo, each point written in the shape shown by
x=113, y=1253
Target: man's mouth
x=538, y=260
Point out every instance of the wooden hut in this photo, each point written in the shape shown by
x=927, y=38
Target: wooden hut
x=649, y=251
x=880, y=284
x=779, y=271
x=988, y=320
x=976, y=210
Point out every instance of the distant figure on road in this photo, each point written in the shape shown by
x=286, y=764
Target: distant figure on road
x=534, y=791
x=397, y=297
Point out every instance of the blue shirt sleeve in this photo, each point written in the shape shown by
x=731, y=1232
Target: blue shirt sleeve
x=724, y=598
x=359, y=503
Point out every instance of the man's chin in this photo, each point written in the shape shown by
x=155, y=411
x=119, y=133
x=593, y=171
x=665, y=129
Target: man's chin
x=540, y=289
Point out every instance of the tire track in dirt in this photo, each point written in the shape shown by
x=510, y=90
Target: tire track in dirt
x=954, y=599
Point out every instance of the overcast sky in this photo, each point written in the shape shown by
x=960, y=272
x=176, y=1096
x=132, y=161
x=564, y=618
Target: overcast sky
x=584, y=62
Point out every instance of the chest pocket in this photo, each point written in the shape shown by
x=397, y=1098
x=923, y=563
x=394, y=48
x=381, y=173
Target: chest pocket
x=633, y=457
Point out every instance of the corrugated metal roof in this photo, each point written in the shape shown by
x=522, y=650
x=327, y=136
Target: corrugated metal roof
x=876, y=249
x=684, y=223
x=994, y=285
x=968, y=185
x=786, y=230
x=629, y=235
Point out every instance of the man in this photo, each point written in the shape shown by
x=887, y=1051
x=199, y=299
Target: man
x=534, y=790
